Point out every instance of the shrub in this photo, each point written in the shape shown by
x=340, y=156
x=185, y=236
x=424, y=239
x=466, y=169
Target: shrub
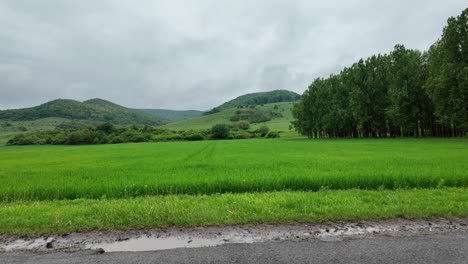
x=251, y=115
x=263, y=130
x=192, y=135
x=273, y=134
x=220, y=131
x=106, y=128
x=7, y=124
x=242, y=124
x=116, y=139
x=239, y=134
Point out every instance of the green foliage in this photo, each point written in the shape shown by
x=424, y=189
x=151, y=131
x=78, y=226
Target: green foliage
x=242, y=124
x=7, y=124
x=95, y=109
x=280, y=120
x=220, y=131
x=405, y=93
x=273, y=134
x=174, y=115
x=106, y=133
x=262, y=98
x=447, y=81
x=251, y=115
x=106, y=128
x=213, y=111
x=262, y=131
x=239, y=134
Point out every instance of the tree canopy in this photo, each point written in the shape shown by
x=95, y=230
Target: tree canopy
x=403, y=93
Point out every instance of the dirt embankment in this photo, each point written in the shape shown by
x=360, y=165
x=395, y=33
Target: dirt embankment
x=159, y=239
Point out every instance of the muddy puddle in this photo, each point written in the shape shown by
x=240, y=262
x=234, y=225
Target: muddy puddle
x=161, y=239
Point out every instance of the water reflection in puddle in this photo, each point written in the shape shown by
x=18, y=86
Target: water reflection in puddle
x=213, y=236
x=154, y=243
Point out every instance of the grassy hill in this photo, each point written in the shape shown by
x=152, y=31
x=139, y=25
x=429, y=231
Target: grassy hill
x=94, y=109
x=173, y=115
x=276, y=96
x=280, y=122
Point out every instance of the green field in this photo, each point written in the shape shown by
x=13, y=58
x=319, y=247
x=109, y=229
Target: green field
x=207, y=167
x=64, y=216
x=46, y=189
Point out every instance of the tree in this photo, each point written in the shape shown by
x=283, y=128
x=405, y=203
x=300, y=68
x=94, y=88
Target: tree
x=447, y=82
x=220, y=131
x=405, y=93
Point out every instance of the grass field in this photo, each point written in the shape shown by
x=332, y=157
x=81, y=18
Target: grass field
x=56, y=189
x=207, y=167
x=39, y=217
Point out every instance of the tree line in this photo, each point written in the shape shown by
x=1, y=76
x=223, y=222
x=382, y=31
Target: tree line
x=404, y=93
x=107, y=133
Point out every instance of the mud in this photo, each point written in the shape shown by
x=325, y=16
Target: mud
x=160, y=239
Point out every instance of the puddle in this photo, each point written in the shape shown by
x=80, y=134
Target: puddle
x=162, y=239
x=154, y=243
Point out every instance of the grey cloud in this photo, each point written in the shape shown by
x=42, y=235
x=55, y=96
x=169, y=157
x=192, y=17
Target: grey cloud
x=195, y=54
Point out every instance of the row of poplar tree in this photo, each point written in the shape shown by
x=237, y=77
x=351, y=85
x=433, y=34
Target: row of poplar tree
x=404, y=93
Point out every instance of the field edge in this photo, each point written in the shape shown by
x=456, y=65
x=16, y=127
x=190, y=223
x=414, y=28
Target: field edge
x=81, y=215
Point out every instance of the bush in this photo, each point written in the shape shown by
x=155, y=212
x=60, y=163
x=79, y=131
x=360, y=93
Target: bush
x=263, y=130
x=106, y=128
x=116, y=139
x=251, y=115
x=273, y=134
x=7, y=124
x=220, y=131
x=192, y=135
x=239, y=134
x=242, y=124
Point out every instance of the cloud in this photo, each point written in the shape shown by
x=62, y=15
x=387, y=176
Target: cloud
x=195, y=54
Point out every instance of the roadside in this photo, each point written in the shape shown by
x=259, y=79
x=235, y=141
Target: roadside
x=449, y=247
x=162, y=239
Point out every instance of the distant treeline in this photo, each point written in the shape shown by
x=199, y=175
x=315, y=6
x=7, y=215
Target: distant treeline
x=254, y=99
x=106, y=133
x=404, y=93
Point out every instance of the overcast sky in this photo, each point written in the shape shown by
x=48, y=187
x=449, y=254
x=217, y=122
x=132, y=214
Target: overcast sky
x=196, y=54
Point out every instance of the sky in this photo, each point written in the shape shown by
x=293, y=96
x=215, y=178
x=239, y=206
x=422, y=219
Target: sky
x=196, y=54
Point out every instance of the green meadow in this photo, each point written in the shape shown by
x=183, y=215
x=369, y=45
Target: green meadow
x=236, y=166
x=47, y=189
x=63, y=216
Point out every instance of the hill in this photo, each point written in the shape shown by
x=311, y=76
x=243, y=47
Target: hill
x=276, y=96
x=173, y=115
x=94, y=109
x=281, y=119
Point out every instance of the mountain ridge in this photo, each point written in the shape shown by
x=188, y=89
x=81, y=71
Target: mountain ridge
x=94, y=109
x=260, y=98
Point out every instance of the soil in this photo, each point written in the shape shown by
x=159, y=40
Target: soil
x=159, y=239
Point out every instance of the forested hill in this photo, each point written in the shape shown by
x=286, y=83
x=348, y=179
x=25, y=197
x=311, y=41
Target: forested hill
x=275, y=96
x=174, y=115
x=94, y=109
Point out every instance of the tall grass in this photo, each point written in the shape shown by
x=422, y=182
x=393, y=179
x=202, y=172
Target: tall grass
x=207, y=167
x=39, y=217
